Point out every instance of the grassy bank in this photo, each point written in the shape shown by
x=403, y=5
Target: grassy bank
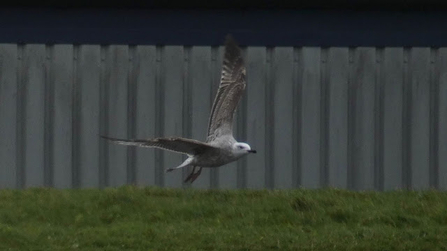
x=131, y=218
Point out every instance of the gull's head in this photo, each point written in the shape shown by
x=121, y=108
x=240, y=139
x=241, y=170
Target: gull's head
x=241, y=149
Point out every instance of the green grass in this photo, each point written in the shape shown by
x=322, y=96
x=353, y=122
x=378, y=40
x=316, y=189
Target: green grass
x=132, y=218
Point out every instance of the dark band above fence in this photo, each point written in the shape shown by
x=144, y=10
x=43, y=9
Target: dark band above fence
x=209, y=27
x=235, y=4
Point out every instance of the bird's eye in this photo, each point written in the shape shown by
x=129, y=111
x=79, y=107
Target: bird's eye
x=241, y=147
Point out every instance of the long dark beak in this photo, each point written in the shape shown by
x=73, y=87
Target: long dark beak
x=252, y=151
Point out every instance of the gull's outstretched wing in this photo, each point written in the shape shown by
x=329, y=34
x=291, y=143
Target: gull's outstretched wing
x=231, y=88
x=179, y=145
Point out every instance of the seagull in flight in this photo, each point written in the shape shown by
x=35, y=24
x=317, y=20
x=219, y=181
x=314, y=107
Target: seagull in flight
x=220, y=147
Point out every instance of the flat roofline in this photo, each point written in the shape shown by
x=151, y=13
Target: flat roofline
x=237, y=4
x=250, y=27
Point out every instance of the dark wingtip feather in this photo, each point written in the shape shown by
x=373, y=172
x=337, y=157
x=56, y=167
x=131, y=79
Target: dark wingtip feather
x=232, y=56
x=230, y=42
x=113, y=139
x=229, y=39
x=105, y=137
x=108, y=138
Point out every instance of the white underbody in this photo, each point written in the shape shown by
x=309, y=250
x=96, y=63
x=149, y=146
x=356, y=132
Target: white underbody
x=222, y=154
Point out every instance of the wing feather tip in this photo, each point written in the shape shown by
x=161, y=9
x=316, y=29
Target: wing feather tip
x=228, y=37
x=106, y=137
x=231, y=46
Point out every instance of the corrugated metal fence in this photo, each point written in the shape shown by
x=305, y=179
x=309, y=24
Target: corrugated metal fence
x=357, y=118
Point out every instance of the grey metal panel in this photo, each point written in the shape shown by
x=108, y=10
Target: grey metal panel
x=88, y=84
x=8, y=116
x=338, y=71
x=116, y=75
x=172, y=81
x=363, y=89
x=256, y=88
x=283, y=118
x=310, y=117
x=346, y=122
x=34, y=79
x=442, y=118
x=392, y=75
x=62, y=106
x=419, y=68
x=199, y=82
x=144, y=72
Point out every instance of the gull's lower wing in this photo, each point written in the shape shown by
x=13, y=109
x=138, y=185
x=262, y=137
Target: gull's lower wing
x=179, y=145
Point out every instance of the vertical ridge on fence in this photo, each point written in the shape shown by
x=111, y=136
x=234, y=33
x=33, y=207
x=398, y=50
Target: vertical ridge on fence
x=363, y=88
x=433, y=135
x=131, y=115
x=297, y=101
x=8, y=115
x=242, y=133
x=282, y=66
x=406, y=122
x=103, y=117
x=350, y=171
x=186, y=107
x=88, y=88
x=269, y=117
x=49, y=119
x=117, y=62
x=34, y=82
x=338, y=70
x=440, y=125
x=216, y=65
x=199, y=79
x=310, y=117
x=324, y=118
x=173, y=70
x=441, y=72
x=75, y=121
x=379, y=121
x=256, y=119
x=159, y=115
x=20, y=119
x=145, y=76
x=61, y=112
x=442, y=119
x=419, y=66
x=228, y=174
x=393, y=81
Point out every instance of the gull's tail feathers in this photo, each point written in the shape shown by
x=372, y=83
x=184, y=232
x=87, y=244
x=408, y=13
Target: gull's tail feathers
x=185, y=163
